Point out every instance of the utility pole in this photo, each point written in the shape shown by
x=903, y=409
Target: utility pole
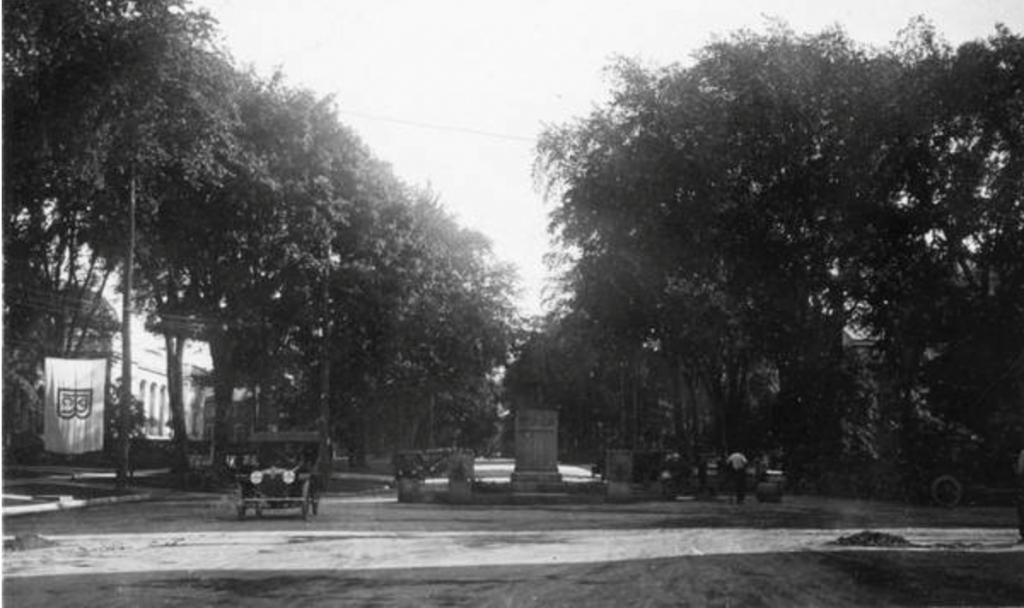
x=325, y=346
x=124, y=428
x=324, y=417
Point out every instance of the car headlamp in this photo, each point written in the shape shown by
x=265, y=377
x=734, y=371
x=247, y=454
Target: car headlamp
x=256, y=477
x=288, y=476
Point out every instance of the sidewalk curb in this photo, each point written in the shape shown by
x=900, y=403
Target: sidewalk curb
x=74, y=504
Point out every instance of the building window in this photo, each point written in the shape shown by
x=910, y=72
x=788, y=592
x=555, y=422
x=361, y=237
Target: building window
x=146, y=414
x=154, y=429
x=163, y=430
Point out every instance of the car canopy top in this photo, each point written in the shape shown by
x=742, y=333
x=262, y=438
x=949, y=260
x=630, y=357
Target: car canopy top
x=288, y=448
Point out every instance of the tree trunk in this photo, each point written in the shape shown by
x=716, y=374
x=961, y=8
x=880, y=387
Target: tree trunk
x=357, y=443
x=127, y=400
x=714, y=383
x=736, y=403
x=175, y=345
x=221, y=353
x=696, y=430
x=683, y=435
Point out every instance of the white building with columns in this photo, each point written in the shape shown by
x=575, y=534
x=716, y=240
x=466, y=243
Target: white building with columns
x=150, y=382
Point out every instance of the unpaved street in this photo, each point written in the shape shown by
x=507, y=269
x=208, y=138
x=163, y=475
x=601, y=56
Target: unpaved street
x=189, y=550
x=348, y=550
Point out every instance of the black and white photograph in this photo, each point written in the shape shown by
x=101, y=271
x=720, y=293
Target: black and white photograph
x=512, y=304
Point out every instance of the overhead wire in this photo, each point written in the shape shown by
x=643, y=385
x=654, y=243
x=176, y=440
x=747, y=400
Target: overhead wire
x=439, y=127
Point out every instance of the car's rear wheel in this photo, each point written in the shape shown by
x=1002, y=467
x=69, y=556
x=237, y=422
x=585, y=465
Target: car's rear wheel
x=946, y=491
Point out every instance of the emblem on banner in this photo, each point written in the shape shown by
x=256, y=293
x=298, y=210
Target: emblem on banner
x=74, y=403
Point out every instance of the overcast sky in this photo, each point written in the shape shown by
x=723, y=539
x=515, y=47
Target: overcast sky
x=453, y=94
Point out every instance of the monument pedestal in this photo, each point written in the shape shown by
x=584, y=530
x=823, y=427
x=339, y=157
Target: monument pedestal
x=537, y=452
x=531, y=482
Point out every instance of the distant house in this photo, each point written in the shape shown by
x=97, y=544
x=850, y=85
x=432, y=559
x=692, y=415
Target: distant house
x=149, y=382
x=150, y=386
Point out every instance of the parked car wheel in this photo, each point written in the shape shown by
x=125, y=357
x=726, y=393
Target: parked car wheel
x=946, y=491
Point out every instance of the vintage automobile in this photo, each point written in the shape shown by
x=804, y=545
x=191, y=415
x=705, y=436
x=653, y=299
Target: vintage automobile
x=278, y=470
x=979, y=478
x=952, y=465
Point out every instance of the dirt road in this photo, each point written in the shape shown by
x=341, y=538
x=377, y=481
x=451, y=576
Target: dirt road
x=352, y=550
x=374, y=551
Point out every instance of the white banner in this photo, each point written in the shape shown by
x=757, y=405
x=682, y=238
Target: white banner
x=75, y=394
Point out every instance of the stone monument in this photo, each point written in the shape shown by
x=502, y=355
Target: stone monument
x=537, y=452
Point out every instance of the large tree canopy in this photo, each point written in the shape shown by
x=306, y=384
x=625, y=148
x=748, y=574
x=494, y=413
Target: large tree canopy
x=737, y=214
x=265, y=227
x=95, y=93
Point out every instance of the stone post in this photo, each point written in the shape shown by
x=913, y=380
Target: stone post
x=536, y=452
x=409, y=472
x=460, y=477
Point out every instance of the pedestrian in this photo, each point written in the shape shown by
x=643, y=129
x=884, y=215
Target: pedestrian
x=1019, y=470
x=737, y=464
